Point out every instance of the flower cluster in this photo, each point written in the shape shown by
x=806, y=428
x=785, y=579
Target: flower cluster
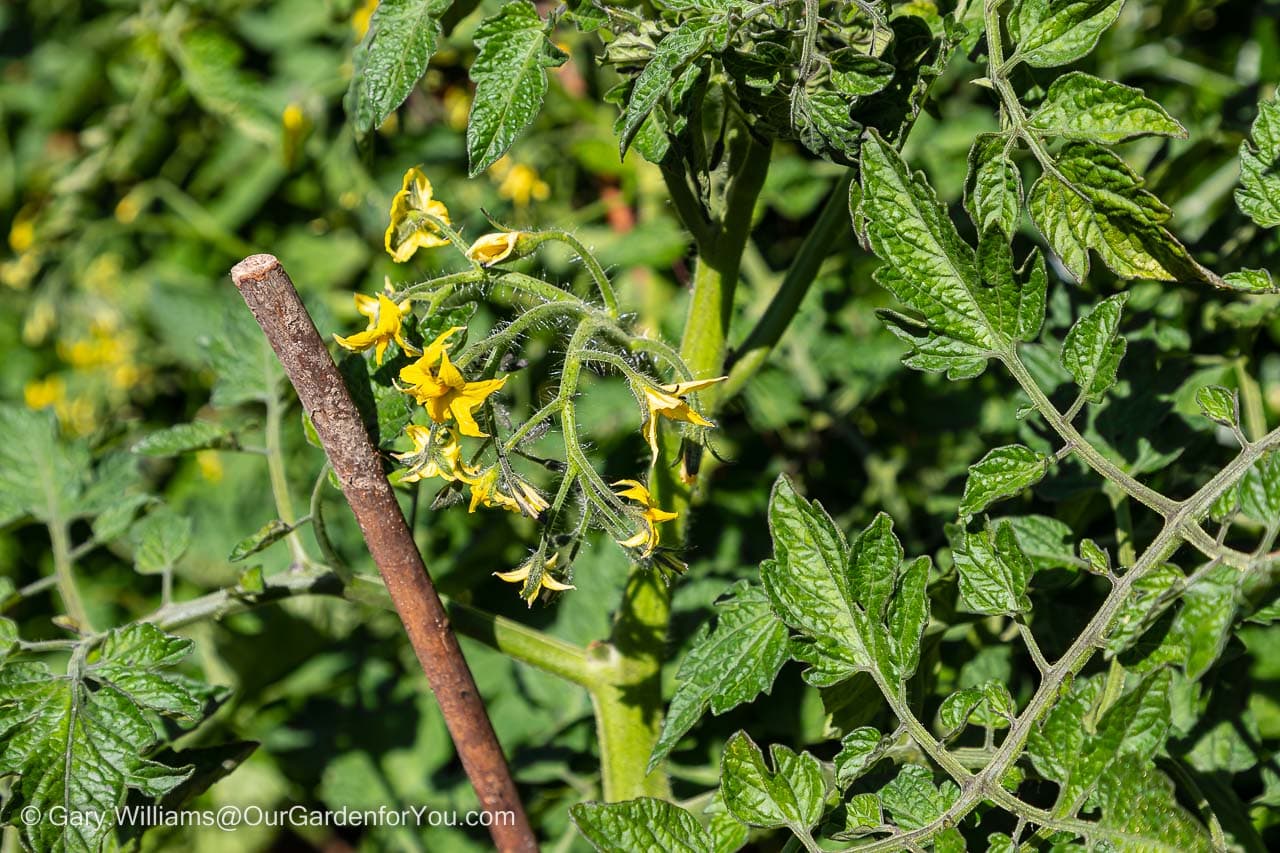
x=457, y=403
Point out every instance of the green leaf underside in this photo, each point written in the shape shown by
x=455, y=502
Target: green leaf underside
x=183, y=438
x=727, y=666
x=641, y=824
x=82, y=749
x=392, y=57
x=510, y=73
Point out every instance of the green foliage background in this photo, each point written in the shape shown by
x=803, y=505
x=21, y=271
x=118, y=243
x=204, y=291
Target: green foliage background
x=144, y=148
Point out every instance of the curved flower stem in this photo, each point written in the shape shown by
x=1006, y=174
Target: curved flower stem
x=603, y=284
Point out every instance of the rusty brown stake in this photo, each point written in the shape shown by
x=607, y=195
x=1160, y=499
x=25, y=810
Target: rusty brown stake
x=270, y=295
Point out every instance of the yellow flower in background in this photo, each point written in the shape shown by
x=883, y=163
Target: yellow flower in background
x=293, y=118
x=457, y=107
x=545, y=580
x=446, y=394
x=651, y=516
x=210, y=465
x=519, y=183
x=410, y=230
x=493, y=248
x=22, y=234
x=360, y=20
x=385, y=319
x=43, y=393
x=668, y=401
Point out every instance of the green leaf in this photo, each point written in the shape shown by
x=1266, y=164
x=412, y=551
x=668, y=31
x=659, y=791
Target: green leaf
x=955, y=710
x=510, y=73
x=1260, y=489
x=726, y=667
x=993, y=191
x=1251, y=281
x=1081, y=106
x=932, y=352
x=1054, y=745
x=1002, y=473
x=859, y=751
x=1103, y=207
x=674, y=53
x=862, y=814
x=908, y=617
x=1044, y=541
x=1219, y=404
x=642, y=824
x=262, y=538
x=183, y=438
x=1092, y=350
x=854, y=73
x=392, y=57
x=75, y=742
x=1055, y=32
x=40, y=474
x=993, y=571
x=1134, y=616
x=1259, y=193
x=160, y=539
x=914, y=800
x=926, y=264
x=245, y=368
x=1139, y=804
x=1095, y=557
x=823, y=123
x=1203, y=624
x=1136, y=725
x=1014, y=306
x=791, y=795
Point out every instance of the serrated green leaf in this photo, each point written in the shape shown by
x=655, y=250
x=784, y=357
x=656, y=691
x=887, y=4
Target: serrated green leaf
x=677, y=49
x=908, y=617
x=8, y=631
x=1133, y=617
x=1092, y=350
x=1054, y=745
x=823, y=124
x=183, y=438
x=993, y=191
x=949, y=840
x=859, y=751
x=641, y=824
x=1095, y=557
x=1102, y=207
x=392, y=57
x=726, y=667
x=1055, y=32
x=264, y=537
x=914, y=800
x=1081, y=106
x=40, y=474
x=935, y=353
x=116, y=520
x=160, y=539
x=1251, y=281
x=244, y=367
x=1044, y=541
x=1259, y=193
x=510, y=73
x=862, y=813
x=1002, y=473
x=993, y=571
x=727, y=833
x=1219, y=404
x=791, y=795
x=926, y=264
x=1014, y=306
x=75, y=742
x=997, y=707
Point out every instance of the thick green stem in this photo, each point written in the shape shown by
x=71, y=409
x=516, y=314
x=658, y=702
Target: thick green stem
x=64, y=573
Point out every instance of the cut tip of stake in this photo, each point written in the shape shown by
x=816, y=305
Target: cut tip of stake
x=254, y=268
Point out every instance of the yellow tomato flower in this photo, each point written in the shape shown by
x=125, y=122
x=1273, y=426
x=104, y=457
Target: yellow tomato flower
x=493, y=248
x=457, y=107
x=668, y=401
x=42, y=393
x=360, y=20
x=647, y=537
x=441, y=458
x=210, y=465
x=446, y=394
x=385, y=319
x=545, y=580
x=515, y=495
x=410, y=229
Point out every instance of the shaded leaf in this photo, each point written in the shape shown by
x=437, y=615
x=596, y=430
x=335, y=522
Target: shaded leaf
x=392, y=57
